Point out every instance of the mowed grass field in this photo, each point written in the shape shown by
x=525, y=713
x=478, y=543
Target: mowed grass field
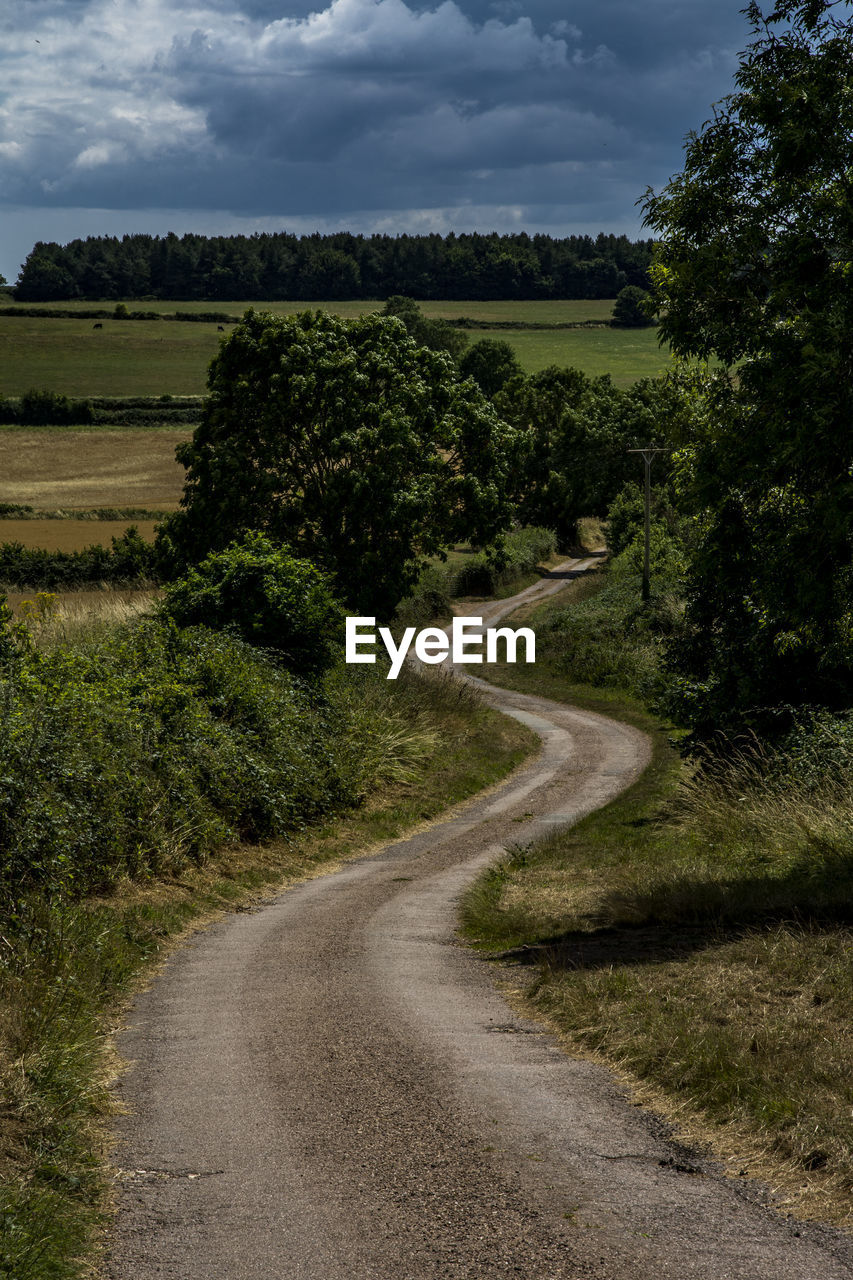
x=124, y=358
x=158, y=357
x=625, y=354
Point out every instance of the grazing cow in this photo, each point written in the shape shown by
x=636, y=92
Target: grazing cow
x=221, y=328
x=98, y=325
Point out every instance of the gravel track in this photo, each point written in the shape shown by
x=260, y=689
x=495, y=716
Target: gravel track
x=331, y=1087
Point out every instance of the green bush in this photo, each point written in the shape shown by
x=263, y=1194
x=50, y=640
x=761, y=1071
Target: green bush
x=431, y=598
x=45, y=409
x=265, y=595
x=146, y=411
x=136, y=750
x=522, y=551
x=630, y=309
x=144, y=748
x=666, y=554
x=483, y=574
x=490, y=362
x=611, y=639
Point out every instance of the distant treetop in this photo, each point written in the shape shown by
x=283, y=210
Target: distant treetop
x=338, y=266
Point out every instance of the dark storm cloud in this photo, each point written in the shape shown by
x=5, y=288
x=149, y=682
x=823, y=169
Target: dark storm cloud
x=262, y=109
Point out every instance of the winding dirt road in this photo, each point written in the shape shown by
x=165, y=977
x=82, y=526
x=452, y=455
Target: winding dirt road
x=330, y=1087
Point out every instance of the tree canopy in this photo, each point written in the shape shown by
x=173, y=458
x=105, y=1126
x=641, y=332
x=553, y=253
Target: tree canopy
x=755, y=268
x=438, y=335
x=575, y=432
x=629, y=310
x=340, y=265
x=362, y=451
x=491, y=362
x=257, y=590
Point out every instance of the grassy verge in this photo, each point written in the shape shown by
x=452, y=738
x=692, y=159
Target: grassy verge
x=67, y=962
x=695, y=934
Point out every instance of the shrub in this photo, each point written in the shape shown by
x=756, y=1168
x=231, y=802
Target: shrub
x=491, y=363
x=142, y=749
x=265, y=595
x=482, y=575
x=46, y=409
x=611, y=639
x=629, y=310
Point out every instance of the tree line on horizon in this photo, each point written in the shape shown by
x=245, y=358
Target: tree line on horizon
x=339, y=266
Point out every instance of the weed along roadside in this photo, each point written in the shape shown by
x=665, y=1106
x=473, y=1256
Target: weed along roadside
x=694, y=935
x=409, y=747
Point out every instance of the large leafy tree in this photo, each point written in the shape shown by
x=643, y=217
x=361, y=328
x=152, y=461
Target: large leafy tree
x=362, y=451
x=755, y=269
x=575, y=433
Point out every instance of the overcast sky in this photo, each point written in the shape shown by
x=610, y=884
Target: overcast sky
x=389, y=115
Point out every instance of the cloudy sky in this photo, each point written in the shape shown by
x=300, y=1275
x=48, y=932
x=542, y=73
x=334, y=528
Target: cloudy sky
x=389, y=115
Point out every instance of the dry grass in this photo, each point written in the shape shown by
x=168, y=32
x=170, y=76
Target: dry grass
x=591, y=534
x=71, y=469
x=62, y=615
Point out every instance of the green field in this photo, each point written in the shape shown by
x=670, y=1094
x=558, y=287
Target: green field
x=125, y=358
x=626, y=354
x=567, y=311
x=156, y=357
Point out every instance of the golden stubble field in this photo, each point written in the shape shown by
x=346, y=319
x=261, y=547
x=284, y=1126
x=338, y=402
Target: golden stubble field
x=77, y=470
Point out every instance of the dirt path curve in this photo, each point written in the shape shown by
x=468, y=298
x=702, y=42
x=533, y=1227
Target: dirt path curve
x=331, y=1088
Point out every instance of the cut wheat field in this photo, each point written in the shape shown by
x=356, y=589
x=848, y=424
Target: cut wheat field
x=52, y=468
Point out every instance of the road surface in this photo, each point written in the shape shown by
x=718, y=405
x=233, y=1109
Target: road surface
x=331, y=1087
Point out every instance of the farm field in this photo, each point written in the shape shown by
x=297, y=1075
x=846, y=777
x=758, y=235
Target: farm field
x=545, y=311
x=125, y=358
x=70, y=534
x=626, y=354
x=153, y=357
x=62, y=468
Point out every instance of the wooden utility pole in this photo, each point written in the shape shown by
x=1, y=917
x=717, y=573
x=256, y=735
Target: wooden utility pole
x=648, y=453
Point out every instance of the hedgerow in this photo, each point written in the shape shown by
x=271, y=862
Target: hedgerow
x=138, y=750
x=52, y=409
x=129, y=559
